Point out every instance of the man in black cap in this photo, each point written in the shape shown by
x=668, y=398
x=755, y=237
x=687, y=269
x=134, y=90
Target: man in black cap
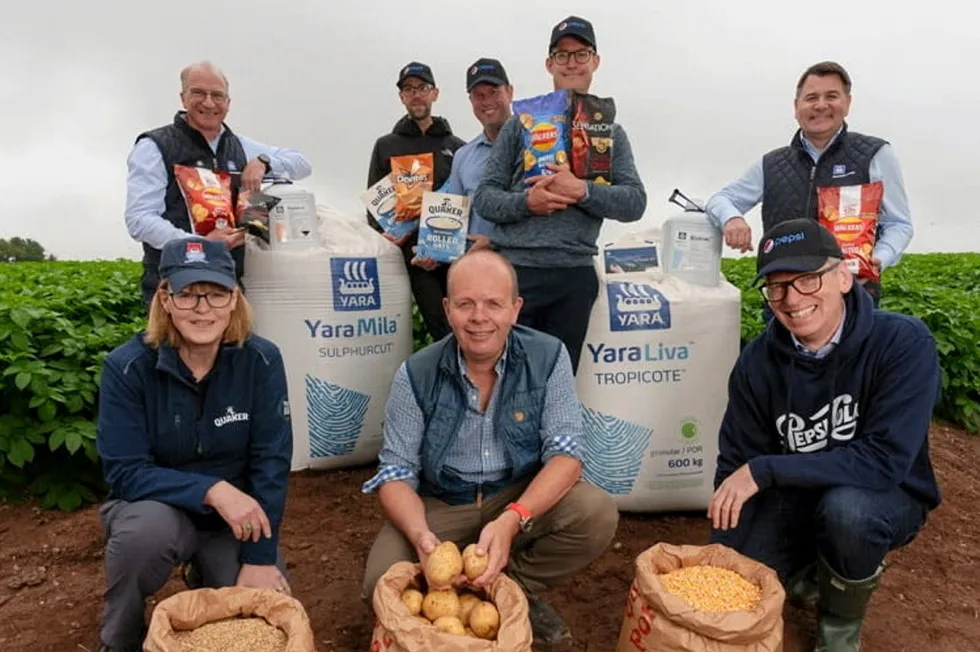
x=548, y=229
x=490, y=94
x=823, y=464
x=419, y=132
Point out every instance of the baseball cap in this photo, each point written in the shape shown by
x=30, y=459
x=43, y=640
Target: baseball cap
x=573, y=26
x=192, y=260
x=800, y=245
x=417, y=70
x=486, y=71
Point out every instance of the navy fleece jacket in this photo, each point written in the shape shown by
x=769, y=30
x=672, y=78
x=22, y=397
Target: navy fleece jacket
x=858, y=417
x=164, y=437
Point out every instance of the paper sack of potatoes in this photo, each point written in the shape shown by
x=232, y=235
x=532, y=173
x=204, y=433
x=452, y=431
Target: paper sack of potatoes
x=411, y=617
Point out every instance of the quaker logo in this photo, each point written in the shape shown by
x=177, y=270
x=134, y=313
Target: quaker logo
x=835, y=421
x=355, y=284
x=637, y=307
x=230, y=416
x=194, y=253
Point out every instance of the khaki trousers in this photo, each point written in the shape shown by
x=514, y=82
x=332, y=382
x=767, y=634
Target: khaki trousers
x=563, y=541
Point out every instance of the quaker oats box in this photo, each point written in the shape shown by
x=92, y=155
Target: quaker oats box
x=380, y=201
x=443, y=226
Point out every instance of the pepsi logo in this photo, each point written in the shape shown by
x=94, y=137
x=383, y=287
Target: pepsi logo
x=767, y=247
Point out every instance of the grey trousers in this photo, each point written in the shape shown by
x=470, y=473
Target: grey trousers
x=145, y=540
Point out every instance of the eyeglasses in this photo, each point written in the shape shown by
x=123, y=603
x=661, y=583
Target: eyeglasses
x=805, y=284
x=561, y=57
x=190, y=300
x=416, y=90
x=219, y=97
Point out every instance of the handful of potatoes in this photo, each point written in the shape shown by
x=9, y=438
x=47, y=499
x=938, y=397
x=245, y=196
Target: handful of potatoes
x=462, y=613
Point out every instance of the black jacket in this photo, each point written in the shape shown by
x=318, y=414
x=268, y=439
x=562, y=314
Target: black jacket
x=407, y=138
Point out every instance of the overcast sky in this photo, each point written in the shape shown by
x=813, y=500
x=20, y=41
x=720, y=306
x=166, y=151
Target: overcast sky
x=703, y=89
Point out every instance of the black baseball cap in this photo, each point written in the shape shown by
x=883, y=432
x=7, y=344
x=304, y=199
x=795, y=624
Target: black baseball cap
x=486, y=71
x=575, y=27
x=800, y=245
x=192, y=260
x=417, y=70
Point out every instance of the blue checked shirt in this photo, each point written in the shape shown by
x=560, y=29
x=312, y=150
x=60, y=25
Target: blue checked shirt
x=478, y=454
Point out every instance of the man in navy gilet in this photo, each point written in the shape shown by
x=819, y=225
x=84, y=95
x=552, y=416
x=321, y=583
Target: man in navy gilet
x=483, y=443
x=823, y=464
x=822, y=153
x=156, y=212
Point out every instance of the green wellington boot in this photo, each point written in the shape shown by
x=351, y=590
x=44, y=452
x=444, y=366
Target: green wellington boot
x=842, y=606
x=803, y=590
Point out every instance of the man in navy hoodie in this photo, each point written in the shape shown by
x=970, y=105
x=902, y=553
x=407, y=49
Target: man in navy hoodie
x=824, y=459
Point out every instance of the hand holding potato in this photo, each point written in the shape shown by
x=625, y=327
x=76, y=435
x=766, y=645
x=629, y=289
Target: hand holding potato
x=496, y=538
x=475, y=561
x=443, y=565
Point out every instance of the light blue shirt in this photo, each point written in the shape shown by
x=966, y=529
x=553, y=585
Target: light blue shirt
x=146, y=185
x=743, y=194
x=469, y=162
x=478, y=454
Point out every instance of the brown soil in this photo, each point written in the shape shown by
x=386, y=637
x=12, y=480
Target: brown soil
x=51, y=569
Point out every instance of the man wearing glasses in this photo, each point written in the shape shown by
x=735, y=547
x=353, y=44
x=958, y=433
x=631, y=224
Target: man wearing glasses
x=156, y=212
x=419, y=132
x=548, y=230
x=823, y=464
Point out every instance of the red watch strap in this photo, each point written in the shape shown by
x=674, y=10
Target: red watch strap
x=521, y=510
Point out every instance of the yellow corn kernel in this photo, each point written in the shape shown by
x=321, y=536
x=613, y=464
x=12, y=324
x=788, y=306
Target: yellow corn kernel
x=714, y=589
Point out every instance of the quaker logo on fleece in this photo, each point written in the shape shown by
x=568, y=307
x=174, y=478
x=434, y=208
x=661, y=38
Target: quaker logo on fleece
x=837, y=420
x=355, y=284
x=637, y=307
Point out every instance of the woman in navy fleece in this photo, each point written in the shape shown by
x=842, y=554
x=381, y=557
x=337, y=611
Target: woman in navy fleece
x=196, y=443
x=824, y=459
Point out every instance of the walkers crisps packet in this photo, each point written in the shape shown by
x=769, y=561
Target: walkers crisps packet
x=208, y=197
x=851, y=214
x=545, y=122
x=380, y=200
x=592, y=137
x=411, y=175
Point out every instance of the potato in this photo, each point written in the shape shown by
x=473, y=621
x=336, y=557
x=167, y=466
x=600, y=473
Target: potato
x=412, y=599
x=485, y=620
x=466, y=603
x=450, y=625
x=469, y=632
x=474, y=565
x=437, y=604
x=444, y=564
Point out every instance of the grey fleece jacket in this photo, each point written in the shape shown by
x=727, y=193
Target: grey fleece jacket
x=565, y=238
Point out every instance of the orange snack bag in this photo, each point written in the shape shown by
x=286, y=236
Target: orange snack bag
x=411, y=175
x=208, y=197
x=850, y=213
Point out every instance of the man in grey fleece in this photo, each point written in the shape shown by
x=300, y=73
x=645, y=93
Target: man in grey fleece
x=548, y=230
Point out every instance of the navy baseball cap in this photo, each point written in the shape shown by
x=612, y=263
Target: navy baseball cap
x=486, y=71
x=417, y=70
x=800, y=245
x=576, y=27
x=197, y=260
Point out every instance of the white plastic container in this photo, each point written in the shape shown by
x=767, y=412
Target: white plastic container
x=692, y=245
x=293, y=221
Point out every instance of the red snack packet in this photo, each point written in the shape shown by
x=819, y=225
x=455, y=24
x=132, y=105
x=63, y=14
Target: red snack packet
x=208, y=197
x=592, y=137
x=850, y=213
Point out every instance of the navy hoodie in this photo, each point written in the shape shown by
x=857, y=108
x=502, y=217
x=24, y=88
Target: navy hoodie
x=164, y=437
x=858, y=417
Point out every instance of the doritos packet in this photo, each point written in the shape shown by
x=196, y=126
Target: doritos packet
x=380, y=200
x=544, y=120
x=592, y=137
x=411, y=175
x=850, y=213
x=207, y=194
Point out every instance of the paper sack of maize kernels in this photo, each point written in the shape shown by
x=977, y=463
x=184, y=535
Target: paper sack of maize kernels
x=745, y=599
x=190, y=610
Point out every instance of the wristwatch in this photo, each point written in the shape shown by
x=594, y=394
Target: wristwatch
x=266, y=161
x=526, y=521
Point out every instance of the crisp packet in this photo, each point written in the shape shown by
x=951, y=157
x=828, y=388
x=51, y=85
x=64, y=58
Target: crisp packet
x=850, y=213
x=544, y=119
x=380, y=200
